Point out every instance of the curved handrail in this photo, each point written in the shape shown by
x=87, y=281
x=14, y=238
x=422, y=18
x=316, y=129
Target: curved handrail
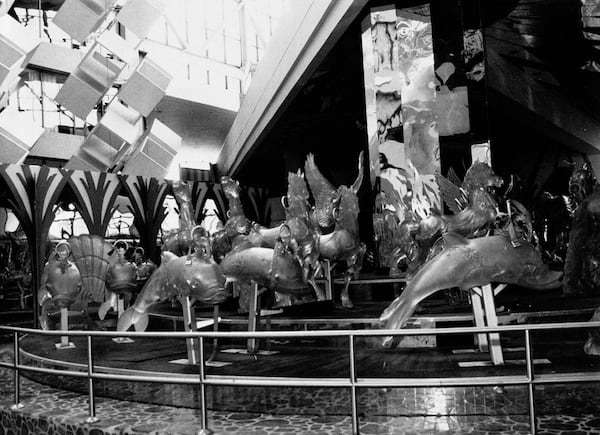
x=352, y=382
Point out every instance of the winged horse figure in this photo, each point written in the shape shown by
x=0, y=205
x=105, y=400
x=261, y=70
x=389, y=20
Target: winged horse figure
x=338, y=207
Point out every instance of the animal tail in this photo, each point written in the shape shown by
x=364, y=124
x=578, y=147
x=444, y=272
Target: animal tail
x=106, y=306
x=132, y=317
x=395, y=317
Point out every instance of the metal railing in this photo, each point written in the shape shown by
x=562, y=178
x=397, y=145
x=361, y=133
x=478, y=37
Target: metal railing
x=530, y=379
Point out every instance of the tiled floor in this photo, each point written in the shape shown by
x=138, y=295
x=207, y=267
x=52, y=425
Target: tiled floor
x=561, y=410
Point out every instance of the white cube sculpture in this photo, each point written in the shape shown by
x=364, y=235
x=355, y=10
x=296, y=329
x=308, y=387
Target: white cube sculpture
x=88, y=83
x=17, y=136
x=79, y=18
x=15, y=42
x=139, y=16
x=146, y=87
x=155, y=153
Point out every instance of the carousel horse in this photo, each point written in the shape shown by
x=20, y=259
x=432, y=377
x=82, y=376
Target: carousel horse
x=338, y=207
x=178, y=241
x=196, y=276
x=60, y=282
x=234, y=235
x=467, y=263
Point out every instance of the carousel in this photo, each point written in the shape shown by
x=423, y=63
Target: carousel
x=403, y=270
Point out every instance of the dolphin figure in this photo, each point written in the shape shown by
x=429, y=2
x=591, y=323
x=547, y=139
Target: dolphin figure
x=199, y=278
x=467, y=263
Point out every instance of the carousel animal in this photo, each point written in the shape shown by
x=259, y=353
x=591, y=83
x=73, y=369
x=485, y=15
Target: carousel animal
x=276, y=268
x=466, y=263
x=196, y=276
x=592, y=345
x=61, y=282
x=144, y=267
x=338, y=207
x=475, y=212
x=234, y=235
x=304, y=236
x=121, y=280
x=179, y=241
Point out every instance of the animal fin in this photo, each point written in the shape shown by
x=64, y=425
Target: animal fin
x=104, y=308
x=131, y=317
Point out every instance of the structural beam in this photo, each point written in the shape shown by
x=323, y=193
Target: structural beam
x=306, y=34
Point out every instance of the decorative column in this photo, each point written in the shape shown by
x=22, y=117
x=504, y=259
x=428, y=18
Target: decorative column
x=256, y=200
x=200, y=190
x=400, y=105
x=35, y=190
x=96, y=193
x=147, y=196
x=216, y=193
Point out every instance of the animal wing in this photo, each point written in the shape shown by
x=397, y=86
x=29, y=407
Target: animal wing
x=322, y=191
x=454, y=197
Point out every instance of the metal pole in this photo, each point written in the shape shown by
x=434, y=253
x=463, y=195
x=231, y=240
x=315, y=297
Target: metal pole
x=16, y=362
x=90, y=372
x=39, y=18
x=530, y=375
x=354, y=399
x=204, y=430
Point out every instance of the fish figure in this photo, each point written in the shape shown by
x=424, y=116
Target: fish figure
x=198, y=277
x=467, y=263
x=276, y=268
x=61, y=282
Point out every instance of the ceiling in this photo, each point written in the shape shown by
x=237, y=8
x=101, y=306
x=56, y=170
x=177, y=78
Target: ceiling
x=549, y=49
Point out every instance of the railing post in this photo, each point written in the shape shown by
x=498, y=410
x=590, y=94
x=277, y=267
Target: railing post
x=90, y=373
x=16, y=363
x=204, y=430
x=530, y=386
x=354, y=399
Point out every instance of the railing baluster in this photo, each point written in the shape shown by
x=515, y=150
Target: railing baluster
x=530, y=386
x=90, y=375
x=354, y=399
x=204, y=430
x=17, y=375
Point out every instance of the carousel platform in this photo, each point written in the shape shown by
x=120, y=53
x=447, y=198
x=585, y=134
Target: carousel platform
x=457, y=409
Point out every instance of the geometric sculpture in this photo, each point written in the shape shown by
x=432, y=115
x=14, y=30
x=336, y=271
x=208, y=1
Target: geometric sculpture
x=88, y=83
x=17, y=136
x=15, y=42
x=78, y=18
x=120, y=124
x=155, y=153
x=139, y=16
x=5, y=6
x=145, y=87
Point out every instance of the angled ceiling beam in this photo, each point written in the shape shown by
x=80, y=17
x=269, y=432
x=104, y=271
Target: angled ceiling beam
x=564, y=120
x=307, y=32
